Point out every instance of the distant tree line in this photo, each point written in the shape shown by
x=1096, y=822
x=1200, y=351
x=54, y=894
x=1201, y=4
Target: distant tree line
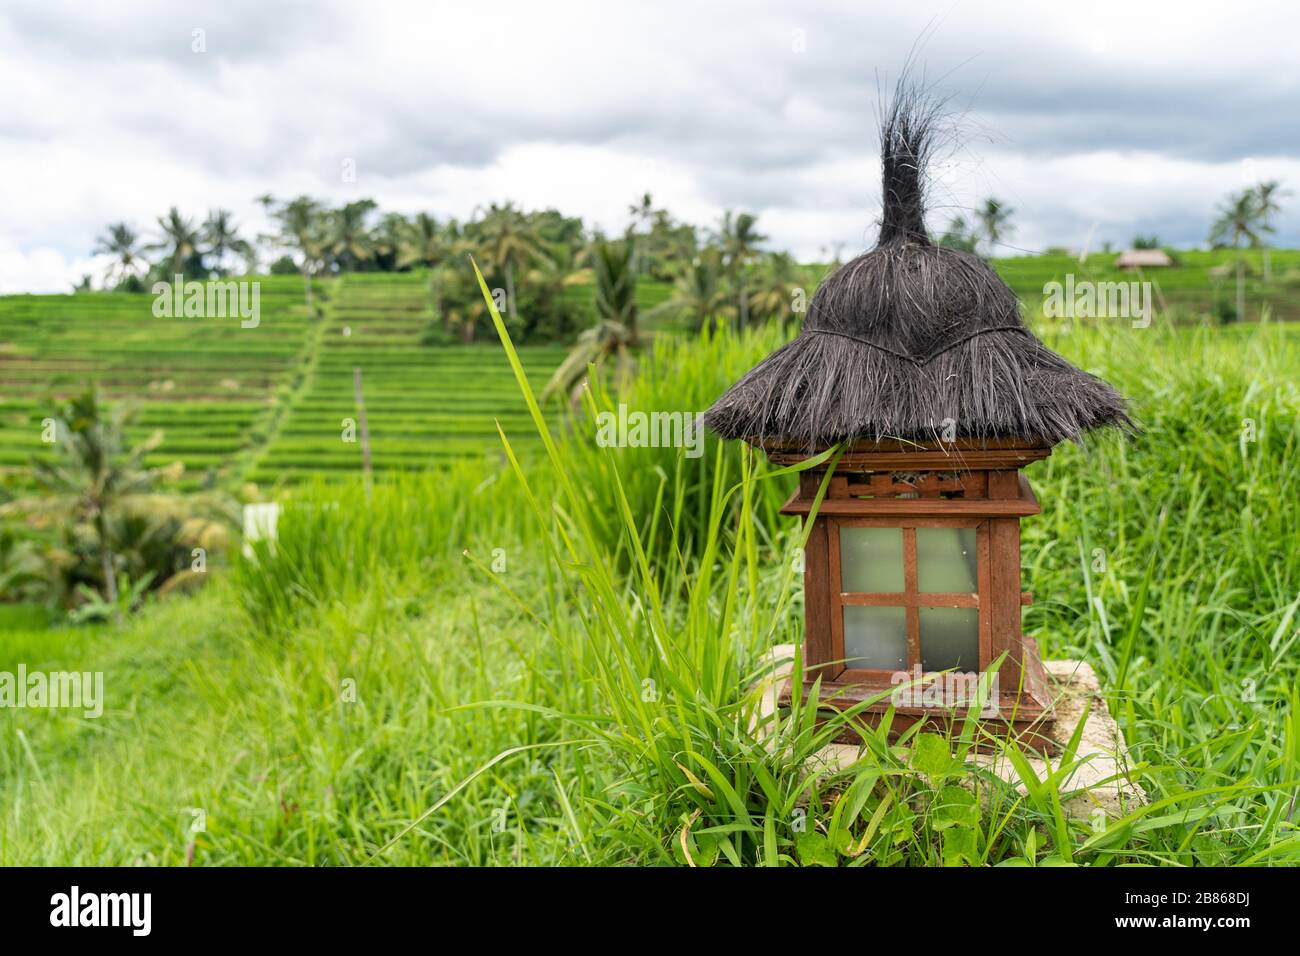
x=717, y=275
x=720, y=275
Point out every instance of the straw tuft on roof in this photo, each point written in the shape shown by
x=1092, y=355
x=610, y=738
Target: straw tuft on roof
x=911, y=340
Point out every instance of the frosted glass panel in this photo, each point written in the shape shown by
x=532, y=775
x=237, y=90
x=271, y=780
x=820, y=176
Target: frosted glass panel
x=871, y=559
x=950, y=638
x=875, y=638
x=946, y=560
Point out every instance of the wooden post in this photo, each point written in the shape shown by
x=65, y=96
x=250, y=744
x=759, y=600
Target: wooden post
x=818, y=650
x=1005, y=556
x=364, y=426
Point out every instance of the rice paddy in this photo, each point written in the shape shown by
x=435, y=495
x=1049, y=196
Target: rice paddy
x=265, y=404
x=269, y=404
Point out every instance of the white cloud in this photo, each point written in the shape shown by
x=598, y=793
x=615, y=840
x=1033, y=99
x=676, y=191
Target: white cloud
x=1134, y=116
x=42, y=269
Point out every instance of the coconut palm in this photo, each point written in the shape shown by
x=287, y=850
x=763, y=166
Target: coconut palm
x=562, y=238
x=959, y=235
x=388, y=240
x=424, y=243
x=994, y=219
x=670, y=247
x=642, y=214
x=1267, y=195
x=1237, y=227
x=700, y=295
x=122, y=243
x=740, y=240
x=24, y=576
x=222, y=238
x=95, y=475
x=507, y=241
x=180, y=241
x=301, y=229
x=615, y=334
x=348, y=239
x=463, y=308
x=778, y=284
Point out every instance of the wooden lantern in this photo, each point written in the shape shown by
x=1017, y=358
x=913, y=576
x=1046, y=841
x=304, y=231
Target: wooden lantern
x=912, y=567
x=914, y=359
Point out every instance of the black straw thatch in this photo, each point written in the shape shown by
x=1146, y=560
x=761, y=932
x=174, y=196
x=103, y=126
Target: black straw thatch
x=911, y=336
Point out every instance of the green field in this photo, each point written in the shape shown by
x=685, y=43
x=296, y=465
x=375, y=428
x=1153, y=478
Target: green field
x=269, y=404
x=207, y=383
x=426, y=407
x=1185, y=292
x=264, y=404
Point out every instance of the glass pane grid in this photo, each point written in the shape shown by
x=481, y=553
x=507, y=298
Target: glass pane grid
x=943, y=560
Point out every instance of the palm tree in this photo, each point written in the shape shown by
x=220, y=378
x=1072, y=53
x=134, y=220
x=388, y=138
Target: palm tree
x=349, y=241
x=180, y=241
x=507, y=241
x=700, y=294
x=424, y=243
x=222, y=237
x=300, y=229
x=122, y=243
x=97, y=473
x=1267, y=195
x=670, y=247
x=994, y=222
x=959, y=235
x=740, y=240
x=389, y=237
x=780, y=281
x=643, y=214
x=1238, y=223
x=615, y=333
x=463, y=306
x=23, y=573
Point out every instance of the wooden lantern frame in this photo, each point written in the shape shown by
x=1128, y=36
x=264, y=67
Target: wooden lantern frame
x=908, y=486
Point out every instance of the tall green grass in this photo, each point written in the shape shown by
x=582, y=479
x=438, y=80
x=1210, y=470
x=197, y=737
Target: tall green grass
x=552, y=661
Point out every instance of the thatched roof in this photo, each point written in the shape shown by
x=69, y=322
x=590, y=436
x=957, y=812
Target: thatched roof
x=909, y=335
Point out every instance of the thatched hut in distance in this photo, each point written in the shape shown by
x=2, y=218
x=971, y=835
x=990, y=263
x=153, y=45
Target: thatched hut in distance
x=916, y=359
x=1143, y=259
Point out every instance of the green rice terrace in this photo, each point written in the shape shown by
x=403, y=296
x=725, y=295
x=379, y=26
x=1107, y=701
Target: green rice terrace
x=265, y=404
x=426, y=406
x=271, y=404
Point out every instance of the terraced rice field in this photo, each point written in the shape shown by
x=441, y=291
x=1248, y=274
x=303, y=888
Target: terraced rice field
x=207, y=383
x=265, y=404
x=269, y=404
x=425, y=406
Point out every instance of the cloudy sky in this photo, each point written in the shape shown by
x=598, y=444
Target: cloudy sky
x=1093, y=121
